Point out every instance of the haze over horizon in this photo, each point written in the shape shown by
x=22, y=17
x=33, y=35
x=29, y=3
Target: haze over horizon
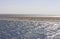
x=46, y=7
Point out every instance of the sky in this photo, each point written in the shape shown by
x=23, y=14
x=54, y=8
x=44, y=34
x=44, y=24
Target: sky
x=49, y=7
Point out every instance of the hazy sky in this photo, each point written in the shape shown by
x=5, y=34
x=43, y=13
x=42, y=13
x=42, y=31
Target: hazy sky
x=30, y=6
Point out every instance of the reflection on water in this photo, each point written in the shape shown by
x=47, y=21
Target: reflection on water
x=11, y=29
